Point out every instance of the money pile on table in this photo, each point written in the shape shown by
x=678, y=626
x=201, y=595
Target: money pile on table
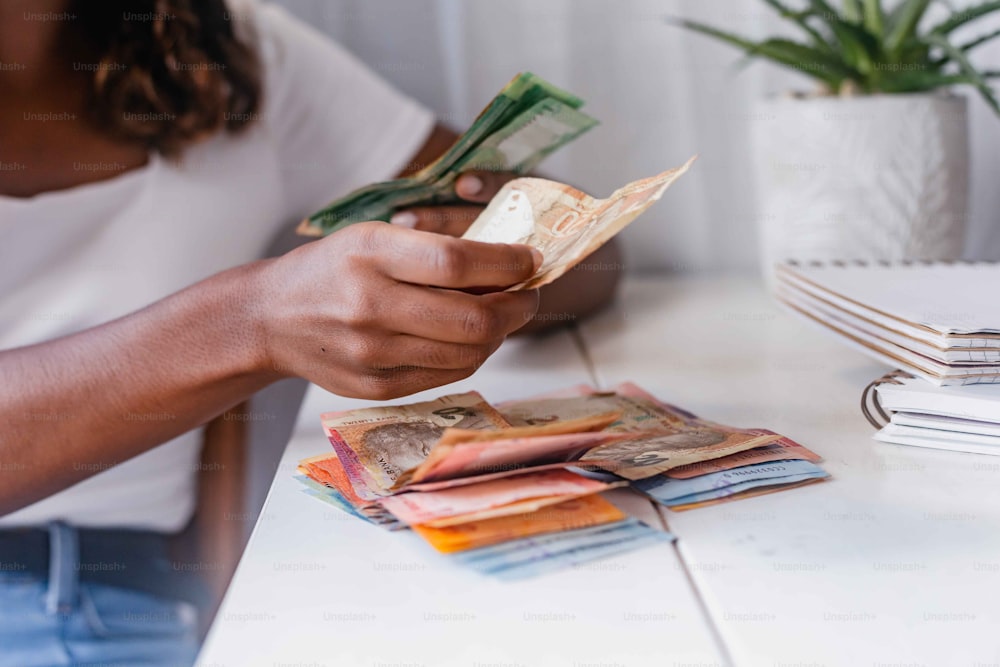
x=526, y=121
x=522, y=487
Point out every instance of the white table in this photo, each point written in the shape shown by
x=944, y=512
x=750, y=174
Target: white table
x=896, y=561
x=316, y=587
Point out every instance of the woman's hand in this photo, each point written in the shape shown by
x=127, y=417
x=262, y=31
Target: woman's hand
x=378, y=311
x=475, y=187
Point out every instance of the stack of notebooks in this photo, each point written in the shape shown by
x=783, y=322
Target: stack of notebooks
x=938, y=322
x=909, y=411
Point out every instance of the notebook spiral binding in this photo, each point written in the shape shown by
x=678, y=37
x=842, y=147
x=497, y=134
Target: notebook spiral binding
x=870, y=406
x=817, y=263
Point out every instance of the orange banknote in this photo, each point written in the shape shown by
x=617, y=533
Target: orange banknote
x=583, y=512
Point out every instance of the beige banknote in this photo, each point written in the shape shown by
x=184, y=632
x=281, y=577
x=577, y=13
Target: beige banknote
x=565, y=224
x=663, y=436
x=390, y=440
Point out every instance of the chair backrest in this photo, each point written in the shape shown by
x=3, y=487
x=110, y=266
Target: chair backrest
x=214, y=540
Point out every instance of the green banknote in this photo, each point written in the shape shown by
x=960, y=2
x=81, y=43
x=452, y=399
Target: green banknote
x=529, y=119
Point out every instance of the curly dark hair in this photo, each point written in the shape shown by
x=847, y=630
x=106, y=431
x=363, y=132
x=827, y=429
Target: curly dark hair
x=170, y=72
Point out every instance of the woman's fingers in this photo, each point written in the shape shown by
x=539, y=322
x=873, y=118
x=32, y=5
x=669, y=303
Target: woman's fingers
x=420, y=258
x=481, y=186
x=386, y=386
x=456, y=317
x=449, y=220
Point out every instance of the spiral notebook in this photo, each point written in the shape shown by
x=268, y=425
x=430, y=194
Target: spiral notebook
x=938, y=320
x=909, y=411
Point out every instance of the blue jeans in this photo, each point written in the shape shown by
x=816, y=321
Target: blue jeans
x=59, y=620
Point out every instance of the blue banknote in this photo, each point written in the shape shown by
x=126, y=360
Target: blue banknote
x=544, y=553
x=333, y=497
x=727, y=491
x=665, y=489
x=581, y=555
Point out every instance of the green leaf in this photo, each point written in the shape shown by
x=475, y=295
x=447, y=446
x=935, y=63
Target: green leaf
x=919, y=81
x=873, y=19
x=964, y=16
x=809, y=60
x=728, y=37
x=800, y=19
x=902, y=25
x=823, y=10
x=976, y=79
x=982, y=39
x=860, y=50
x=916, y=50
x=852, y=11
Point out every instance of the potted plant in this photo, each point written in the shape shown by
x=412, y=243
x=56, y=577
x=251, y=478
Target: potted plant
x=873, y=164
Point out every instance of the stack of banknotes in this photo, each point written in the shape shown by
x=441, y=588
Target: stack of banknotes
x=527, y=120
x=521, y=488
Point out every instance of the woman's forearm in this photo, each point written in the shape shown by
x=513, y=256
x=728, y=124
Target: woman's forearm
x=349, y=312
x=79, y=404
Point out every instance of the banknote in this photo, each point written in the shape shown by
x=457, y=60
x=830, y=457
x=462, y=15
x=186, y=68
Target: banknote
x=503, y=496
x=751, y=490
x=534, y=555
x=662, y=436
x=511, y=448
x=565, y=224
x=784, y=449
x=581, y=555
x=589, y=510
x=375, y=515
x=745, y=490
x=328, y=495
x=363, y=483
x=636, y=413
x=519, y=489
x=486, y=558
x=668, y=491
x=675, y=440
x=456, y=435
x=527, y=120
x=580, y=466
x=328, y=472
x=388, y=441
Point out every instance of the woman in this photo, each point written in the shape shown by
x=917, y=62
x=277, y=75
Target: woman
x=150, y=152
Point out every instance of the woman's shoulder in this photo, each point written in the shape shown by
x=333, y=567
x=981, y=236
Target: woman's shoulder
x=333, y=123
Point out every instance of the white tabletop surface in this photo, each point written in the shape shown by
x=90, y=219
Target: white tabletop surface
x=316, y=587
x=896, y=561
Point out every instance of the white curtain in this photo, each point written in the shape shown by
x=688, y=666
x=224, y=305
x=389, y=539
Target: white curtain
x=661, y=93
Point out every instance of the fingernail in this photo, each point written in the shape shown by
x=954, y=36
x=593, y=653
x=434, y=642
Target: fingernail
x=538, y=257
x=404, y=219
x=469, y=186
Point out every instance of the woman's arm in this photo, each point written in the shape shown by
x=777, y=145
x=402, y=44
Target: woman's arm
x=347, y=312
x=77, y=405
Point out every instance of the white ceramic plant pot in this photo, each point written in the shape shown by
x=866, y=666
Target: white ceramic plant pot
x=875, y=177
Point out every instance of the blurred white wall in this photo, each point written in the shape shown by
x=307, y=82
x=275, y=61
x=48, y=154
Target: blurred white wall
x=661, y=93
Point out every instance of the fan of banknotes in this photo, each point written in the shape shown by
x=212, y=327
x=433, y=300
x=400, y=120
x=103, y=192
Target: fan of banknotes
x=519, y=488
x=526, y=121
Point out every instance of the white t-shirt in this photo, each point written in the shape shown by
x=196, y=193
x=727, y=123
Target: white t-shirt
x=76, y=258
